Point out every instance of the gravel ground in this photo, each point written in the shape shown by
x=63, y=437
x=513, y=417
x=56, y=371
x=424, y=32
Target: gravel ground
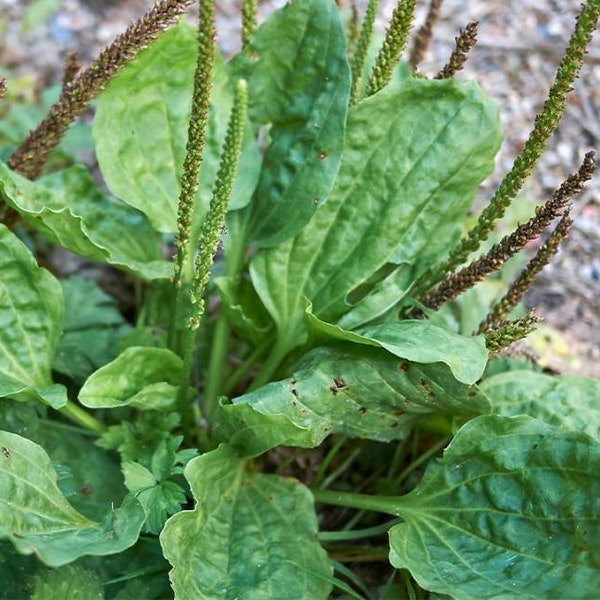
x=520, y=45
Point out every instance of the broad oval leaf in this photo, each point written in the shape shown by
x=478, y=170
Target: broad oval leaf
x=36, y=517
x=413, y=157
x=145, y=378
x=366, y=393
x=299, y=84
x=70, y=209
x=250, y=536
x=510, y=511
x=31, y=319
x=140, y=130
x=418, y=341
x=571, y=402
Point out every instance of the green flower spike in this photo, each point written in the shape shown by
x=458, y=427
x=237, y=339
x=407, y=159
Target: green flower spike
x=248, y=20
x=361, y=50
x=508, y=332
x=212, y=227
x=196, y=136
x=394, y=42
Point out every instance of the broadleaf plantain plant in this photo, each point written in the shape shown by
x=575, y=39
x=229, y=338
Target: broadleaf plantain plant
x=288, y=378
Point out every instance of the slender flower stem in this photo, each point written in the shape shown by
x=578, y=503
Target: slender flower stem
x=78, y=415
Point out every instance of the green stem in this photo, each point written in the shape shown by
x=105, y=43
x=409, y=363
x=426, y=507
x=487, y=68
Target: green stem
x=274, y=359
x=384, y=504
x=356, y=534
x=218, y=353
x=81, y=417
x=426, y=456
x=183, y=404
x=243, y=369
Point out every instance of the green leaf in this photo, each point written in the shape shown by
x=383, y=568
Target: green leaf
x=93, y=324
x=70, y=582
x=140, y=130
x=420, y=342
x=413, y=157
x=72, y=211
x=36, y=517
x=31, y=318
x=354, y=392
x=250, y=536
x=145, y=378
x=570, y=401
x=510, y=511
x=299, y=84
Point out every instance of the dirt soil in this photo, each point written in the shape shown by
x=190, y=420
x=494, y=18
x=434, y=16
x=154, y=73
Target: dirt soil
x=520, y=45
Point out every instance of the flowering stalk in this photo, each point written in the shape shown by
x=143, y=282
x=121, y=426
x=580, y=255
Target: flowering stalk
x=502, y=308
x=72, y=66
x=361, y=50
x=249, y=8
x=466, y=39
x=210, y=234
x=31, y=156
x=2, y=87
x=508, y=332
x=545, y=124
x=394, y=42
x=196, y=137
x=456, y=283
x=423, y=37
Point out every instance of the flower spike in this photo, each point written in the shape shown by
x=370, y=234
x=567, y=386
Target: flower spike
x=423, y=37
x=466, y=39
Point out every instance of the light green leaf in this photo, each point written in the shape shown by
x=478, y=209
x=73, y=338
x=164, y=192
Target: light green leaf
x=72, y=582
x=413, y=157
x=140, y=130
x=145, y=378
x=354, y=392
x=72, y=211
x=250, y=536
x=418, y=341
x=510, y=511
x=36, y=517
x=31, y=319
x=299, y=84
x=570, y=401
x=93, y=325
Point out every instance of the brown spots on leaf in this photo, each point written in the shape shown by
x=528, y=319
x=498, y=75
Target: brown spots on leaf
x=7, y=453
x=362, y=410
x=427, y=388
x=403, y=366
x=316, y=201
x=86, y=489
x=337, y=386
x=323, y=155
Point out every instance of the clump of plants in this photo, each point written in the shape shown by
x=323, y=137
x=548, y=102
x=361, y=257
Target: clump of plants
x=302, y=403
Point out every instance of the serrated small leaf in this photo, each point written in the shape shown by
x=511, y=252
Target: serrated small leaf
x=298, y=83
x=510, y=511
x=31, y=319
x=250, y=536
x=570, y=402
x=359, y=393
x=36, y=517
x=145, y=378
